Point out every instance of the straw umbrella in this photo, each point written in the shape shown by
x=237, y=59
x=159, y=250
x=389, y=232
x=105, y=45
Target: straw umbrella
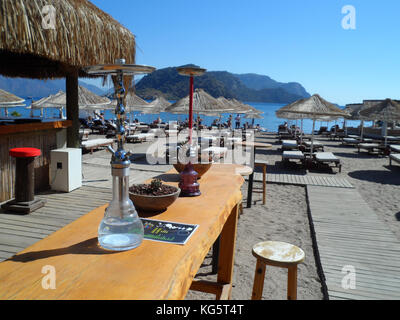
x=253, y=116
x=82, y=35
x=313, y=108
x=387, y=110
x=9, y=100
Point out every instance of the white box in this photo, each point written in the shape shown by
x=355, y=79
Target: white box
x=66, y=169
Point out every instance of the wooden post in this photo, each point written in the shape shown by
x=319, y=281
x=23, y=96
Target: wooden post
x=292, y=283
x=72, y=110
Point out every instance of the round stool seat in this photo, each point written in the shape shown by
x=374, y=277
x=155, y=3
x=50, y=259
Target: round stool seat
x=25, y=152
x=280, y=254
x=244, y=170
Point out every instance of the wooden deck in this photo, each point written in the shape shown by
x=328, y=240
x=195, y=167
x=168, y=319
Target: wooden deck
x=20, y=231
x=349, y=233
x=304, y=180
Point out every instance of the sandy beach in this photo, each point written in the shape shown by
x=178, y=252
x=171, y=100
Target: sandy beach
x=285, y=218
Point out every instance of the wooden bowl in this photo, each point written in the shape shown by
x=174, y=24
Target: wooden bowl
x=200, y=168
x=152, y=203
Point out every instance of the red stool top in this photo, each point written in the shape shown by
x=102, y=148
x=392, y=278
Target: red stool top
x=25, y=152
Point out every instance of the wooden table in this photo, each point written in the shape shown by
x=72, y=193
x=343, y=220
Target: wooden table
x=154, y=270
x=253, y=145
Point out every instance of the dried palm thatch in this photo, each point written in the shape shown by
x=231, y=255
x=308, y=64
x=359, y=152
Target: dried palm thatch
x=156, y=106
x=387, y=110
x=203, y=103
x=86, y=98
x=83, y=35
x=7, y=98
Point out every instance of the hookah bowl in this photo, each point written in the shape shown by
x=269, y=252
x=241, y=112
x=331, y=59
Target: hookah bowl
x=121, y=228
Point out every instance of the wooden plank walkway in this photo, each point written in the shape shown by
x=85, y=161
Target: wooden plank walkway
x=20, y=231
x=304, y=180
x=349, y=233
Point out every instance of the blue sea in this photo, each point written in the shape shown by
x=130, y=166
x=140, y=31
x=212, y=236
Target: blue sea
x=270, y=122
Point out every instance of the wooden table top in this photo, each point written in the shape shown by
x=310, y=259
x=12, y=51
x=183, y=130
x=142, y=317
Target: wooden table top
x=154, y=270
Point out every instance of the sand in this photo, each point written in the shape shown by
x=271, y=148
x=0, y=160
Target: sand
x=285, y=218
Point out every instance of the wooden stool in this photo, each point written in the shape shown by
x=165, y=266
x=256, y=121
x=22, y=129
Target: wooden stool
x=277, y=254
x=243, y=171
x=24, y=201
x=263, y=165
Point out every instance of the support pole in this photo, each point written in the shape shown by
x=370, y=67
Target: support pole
x=72, y=110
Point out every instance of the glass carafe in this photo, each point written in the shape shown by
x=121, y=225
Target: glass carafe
x=121, y=229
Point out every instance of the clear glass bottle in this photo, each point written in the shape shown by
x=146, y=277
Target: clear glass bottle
x=121, y=228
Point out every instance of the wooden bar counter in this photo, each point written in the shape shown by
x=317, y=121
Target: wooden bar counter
x=154, y=270
x=42, y=135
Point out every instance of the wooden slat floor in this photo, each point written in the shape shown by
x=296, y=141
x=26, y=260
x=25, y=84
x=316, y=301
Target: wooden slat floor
x=20, y=231
x=304, y=180
x=349, y=233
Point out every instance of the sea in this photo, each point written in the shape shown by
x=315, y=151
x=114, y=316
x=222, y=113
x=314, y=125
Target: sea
x=269, y=122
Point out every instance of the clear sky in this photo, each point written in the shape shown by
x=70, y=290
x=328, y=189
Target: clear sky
x=289, y=40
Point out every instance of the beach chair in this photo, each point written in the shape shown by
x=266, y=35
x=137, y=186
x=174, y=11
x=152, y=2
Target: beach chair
x=293, y=155
x=370, y=147
x=394, y=148
x=326, y=158
x=316, y=145
x=289, y=145
x=394, y=157
x=93, y=144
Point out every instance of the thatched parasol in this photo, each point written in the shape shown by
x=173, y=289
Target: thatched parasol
x=203, y=103
x=313, y=108
x=156, y=106
x=86, y=99
x=7, y=98
x=82, y=35
x=387, y=110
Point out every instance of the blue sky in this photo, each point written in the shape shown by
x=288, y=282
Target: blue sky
x=288, y=40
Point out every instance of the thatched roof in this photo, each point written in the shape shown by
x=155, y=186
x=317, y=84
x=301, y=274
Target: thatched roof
x=203, y=103
x=7, y=98
x=384, y=110
x=313, y=107
x=156, y=106
x=83, y=35
x=86, y=98
x=132, y=101
x=253, y=116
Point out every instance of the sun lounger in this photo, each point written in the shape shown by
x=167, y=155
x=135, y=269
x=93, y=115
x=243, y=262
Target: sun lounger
x=370, y=147
x=394, y=157
x=350, y=141
x=289, y=145
x=293, y=155
x=327, y=158
x=218, y=152
x=96, y=143
x=395, y=148
x=316, y=145
x=140, y=137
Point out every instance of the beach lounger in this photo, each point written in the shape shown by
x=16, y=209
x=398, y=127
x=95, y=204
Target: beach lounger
x=394, y=157
x=217, y=152
x=293, y=155
x=370, y=147
x=327, y=158
x=395, y=148
x=96, y=143
x=289, y=145
x=350, y=141
x=139, y=137
x=316, y=145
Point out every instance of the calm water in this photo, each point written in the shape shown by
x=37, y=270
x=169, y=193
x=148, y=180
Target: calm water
x=269, y=122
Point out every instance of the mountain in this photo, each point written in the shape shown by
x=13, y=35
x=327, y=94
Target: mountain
x=259, y=82
x=173, y=86
x=39, y=88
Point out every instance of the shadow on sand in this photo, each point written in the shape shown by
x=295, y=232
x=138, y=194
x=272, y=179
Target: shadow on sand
x=377, y=176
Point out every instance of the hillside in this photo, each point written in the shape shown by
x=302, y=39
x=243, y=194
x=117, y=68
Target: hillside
x=173, y=86
x=39, y=88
